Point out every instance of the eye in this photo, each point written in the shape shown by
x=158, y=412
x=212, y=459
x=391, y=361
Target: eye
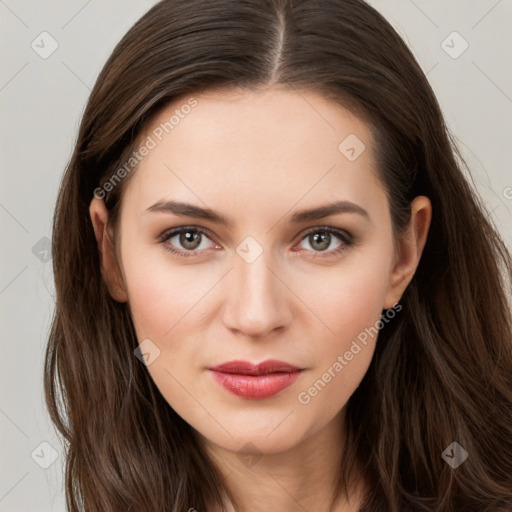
x=185, y=241
x=189, y=241
x=321, y=240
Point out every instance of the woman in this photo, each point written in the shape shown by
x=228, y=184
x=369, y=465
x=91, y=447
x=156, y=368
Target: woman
x=275, y=288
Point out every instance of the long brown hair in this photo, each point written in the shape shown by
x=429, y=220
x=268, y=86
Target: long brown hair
x=442, y=369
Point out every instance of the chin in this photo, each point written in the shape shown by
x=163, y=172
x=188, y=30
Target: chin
x=255, y=441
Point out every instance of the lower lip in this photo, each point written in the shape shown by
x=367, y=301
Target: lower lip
x=256, y=387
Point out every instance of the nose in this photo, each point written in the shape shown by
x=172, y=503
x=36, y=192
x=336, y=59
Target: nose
x=258, y=301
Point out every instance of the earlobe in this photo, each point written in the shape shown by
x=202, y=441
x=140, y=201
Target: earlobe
x=409, y=250
x=110, y=270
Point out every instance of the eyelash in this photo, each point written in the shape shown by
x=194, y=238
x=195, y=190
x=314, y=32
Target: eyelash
x=346, y=238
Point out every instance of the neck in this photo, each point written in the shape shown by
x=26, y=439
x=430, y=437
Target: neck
x=303, y=477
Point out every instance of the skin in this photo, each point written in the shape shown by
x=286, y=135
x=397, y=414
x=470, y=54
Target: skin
x=257, y=158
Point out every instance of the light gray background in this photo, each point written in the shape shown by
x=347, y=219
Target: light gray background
x=41, y=101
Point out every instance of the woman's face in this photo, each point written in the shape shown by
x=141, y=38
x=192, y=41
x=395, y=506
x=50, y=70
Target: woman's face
x=269, y=282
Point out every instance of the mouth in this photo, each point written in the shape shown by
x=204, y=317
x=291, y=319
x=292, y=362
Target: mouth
x=255, y=382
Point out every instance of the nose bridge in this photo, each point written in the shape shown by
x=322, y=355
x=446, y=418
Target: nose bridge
x=257, y=300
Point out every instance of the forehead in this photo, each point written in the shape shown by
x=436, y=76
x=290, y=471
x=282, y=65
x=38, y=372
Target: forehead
x=264, y=119
x=258, y=148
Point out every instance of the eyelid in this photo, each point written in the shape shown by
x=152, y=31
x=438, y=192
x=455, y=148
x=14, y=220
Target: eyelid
x=342, y=233
x=169, y=233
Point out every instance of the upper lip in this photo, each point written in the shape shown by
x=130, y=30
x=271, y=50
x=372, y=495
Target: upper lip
x=247, y=368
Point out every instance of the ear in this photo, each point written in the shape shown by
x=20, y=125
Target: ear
x=409, y=249
x=110, y=270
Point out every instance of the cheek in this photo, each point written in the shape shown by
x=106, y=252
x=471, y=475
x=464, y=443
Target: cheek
x=350, y=305
x=348, y=298
x=165, y=303
x=161, y=294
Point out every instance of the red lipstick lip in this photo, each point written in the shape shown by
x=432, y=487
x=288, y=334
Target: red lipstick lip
x=255, y=382
x=247, y=368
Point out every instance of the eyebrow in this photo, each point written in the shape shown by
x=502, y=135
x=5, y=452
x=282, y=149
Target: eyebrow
x=198, y=212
